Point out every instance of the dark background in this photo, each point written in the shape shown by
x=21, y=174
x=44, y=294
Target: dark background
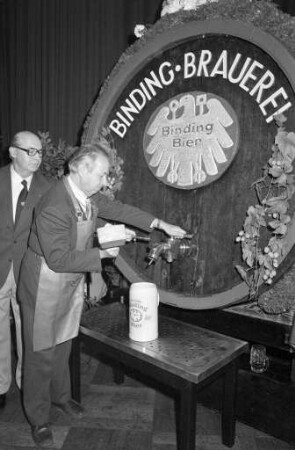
x=55, y=54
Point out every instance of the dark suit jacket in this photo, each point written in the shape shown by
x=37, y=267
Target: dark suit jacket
x=13, y=242
x=54, y=230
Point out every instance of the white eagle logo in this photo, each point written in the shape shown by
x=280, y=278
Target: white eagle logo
x=188, y=139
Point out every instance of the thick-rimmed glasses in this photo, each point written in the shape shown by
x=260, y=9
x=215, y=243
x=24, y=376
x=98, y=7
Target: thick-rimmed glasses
x=30, y=151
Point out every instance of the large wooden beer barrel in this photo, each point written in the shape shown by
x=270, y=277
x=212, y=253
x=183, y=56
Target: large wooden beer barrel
x=153, y=102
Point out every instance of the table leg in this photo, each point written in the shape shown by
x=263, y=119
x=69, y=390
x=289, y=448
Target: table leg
x=75, y=370
x=186, y=420
x=229, y=405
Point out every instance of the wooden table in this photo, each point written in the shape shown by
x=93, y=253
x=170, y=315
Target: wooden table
x=185, y=357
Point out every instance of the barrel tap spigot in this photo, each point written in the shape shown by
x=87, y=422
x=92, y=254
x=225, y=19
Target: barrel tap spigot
x=170, y=249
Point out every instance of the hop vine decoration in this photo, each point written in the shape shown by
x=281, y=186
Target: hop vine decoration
x=274, y=191
x=54, y=156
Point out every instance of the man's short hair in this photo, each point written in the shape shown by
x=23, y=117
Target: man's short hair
x=20, y=136
x=92, y=151
x=15, y=140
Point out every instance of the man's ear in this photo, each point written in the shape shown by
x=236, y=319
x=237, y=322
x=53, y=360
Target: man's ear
x=82, y=169
x=87, y=165
x=12, y=152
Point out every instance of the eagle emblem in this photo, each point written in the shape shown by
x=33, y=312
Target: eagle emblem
x=191, y=140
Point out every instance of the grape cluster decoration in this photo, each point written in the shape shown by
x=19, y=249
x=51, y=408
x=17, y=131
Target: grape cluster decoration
x=274, y=191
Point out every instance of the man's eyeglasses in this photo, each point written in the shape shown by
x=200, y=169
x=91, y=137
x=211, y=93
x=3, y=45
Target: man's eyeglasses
x=30, y=151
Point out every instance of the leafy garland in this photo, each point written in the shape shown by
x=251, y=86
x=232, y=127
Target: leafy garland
x=274, y=191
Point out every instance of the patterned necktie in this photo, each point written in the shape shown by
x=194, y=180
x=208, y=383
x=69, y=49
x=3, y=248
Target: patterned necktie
x=21, y=200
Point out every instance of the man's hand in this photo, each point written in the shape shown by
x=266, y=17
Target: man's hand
x=130, y=234
x=111, y=252
x=171, y=230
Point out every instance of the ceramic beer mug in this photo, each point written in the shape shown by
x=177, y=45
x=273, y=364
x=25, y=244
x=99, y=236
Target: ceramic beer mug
x=143, y=312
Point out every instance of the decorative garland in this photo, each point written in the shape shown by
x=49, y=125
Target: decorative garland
x=274, y=191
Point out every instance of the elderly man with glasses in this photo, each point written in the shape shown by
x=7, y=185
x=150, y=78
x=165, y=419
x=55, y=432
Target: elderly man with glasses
x=21, y=187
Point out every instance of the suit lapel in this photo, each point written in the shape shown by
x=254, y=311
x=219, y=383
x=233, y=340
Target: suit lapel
x=35, y=193
x=68, y=197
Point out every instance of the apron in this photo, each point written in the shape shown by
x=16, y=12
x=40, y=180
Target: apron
x=60, y=296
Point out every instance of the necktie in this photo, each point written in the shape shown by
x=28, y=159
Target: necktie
x=88, y=211
x=21, y=200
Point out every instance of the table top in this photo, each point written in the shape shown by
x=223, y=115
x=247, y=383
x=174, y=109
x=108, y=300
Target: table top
x=189, y=351
x=252, y=310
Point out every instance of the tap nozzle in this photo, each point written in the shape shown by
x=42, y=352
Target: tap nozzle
x=155, y=252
